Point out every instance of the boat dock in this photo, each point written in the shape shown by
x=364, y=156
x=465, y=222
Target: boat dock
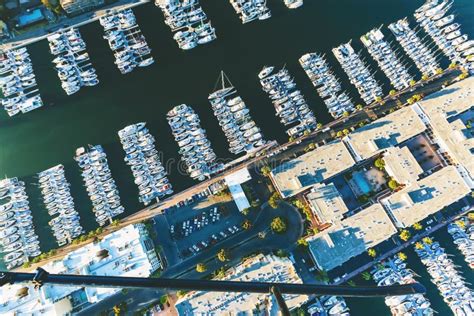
x=188, y=21
x=195, y=147
x=99, y=183
x=126, y=41
x=289, y=103
x=358, y=73
x=444, y=275
x=421, y=55
x=58, y=201
x=251, y=10
x=72, y=61
x=386, y=58
x=17, y=234
x=18, y=82
x=142, y=157
x=242, y=133
x=447, y=35
x=395, y=271
x=462, y=232
x=327, y=85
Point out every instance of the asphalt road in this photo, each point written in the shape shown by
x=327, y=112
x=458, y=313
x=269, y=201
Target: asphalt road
x=238, y=246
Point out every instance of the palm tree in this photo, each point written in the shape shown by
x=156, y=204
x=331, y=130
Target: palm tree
x=417, y=226
x=405, y=235
x=366, y=276
x=201, y=267
x=427, y=240
x=371, y=252
x=419, y=245
x=222, y=255
x=402, y=256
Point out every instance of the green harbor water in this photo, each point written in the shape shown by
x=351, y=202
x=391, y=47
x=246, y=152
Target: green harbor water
x=43, y=138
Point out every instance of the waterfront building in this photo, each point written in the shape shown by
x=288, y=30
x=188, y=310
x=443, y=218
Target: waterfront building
x=350, y=237
x=326, y=203
x=126, y=252
x=73, y=7
x=301, y=173
x=260, y=268
x=401, y=165
x=383, y=133
x=425, y=197
x=449, y=114
x=234, y=183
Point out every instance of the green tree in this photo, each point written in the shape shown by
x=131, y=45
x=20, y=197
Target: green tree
x=366, y=276
x=164, y=299
x=417, y=226
x=412, y=83
x=379, y=163
x=223, y=255
x=278, y=225
x=302, y=242
x=425, y=77
x=402, y=256
x=405, y=235
x=393, y=184
x=246, y=224
x=281, y=253
x=345, y=114
x=339, y=134
x=351, y=283
x=319, y=125
x=371, y=252
x=322, y=275
x=266, y=171
x=359, y=107
x=392, y=92
x=274, y=199
x=345, y=131
x=201, y=267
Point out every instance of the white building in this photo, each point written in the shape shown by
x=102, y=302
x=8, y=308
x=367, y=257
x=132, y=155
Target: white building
x=260, y=268
x=126, y=252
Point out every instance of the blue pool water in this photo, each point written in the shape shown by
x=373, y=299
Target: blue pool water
x=361, y=182
x=30, y=17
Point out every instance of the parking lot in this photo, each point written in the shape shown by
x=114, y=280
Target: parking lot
x=194, y=226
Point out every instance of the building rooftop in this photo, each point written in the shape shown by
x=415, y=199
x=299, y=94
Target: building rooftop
x=234, y=182
x=261, y=268
x=443, y=110
x=351, y=237
x=401, y=165
x=296, y=175
x=126, y=252
x=326, y=203
x=427, y=196
x=383, y=133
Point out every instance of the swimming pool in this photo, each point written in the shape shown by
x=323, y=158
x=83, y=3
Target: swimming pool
x=30, y=17
x=361, y=182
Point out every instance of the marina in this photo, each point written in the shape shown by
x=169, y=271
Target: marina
x=242, y=134
x=462, y=232
x=447, y=35
x=18, y=82
x=421, y=55
x=99, y=183
x=126, y=41
x=329, y=305
x=250, y=10
x=195, y=148
x=18, y=239
x=327, y=85
x=358, y=73
x=188, y=21
x=58, y=201
x=289, y=103
x=444, y=275
x=386, y=58
x=118, y=111
x=142, y=157
x=72, y=61
x=395, y=271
